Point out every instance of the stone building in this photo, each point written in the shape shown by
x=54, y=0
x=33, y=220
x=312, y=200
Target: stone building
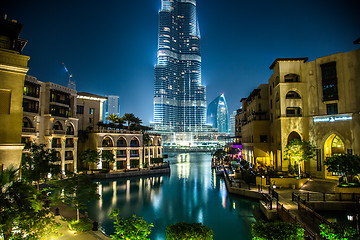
x=49, y=117
x=316, y=101
x=13, y=68
x=255, y=126
x=128, y=147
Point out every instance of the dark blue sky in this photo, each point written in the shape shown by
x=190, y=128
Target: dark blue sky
x=110, y=46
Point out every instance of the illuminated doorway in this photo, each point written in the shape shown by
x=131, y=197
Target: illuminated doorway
x=333, y=145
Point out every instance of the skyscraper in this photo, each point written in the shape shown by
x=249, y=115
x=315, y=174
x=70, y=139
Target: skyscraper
x=218, y=115
x=111, y=106
x=179, y=97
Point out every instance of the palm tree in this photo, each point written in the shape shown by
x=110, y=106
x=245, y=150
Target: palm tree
x=90, y=156
x=131, y=119
x=113, y=118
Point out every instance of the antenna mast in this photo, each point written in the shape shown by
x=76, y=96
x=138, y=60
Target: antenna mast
x=71, y=84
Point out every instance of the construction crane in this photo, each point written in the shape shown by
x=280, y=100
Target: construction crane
x=71, y=84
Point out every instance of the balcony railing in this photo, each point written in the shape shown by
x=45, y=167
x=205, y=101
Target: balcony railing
x=121, y=155
x=58, y=131
x=69, y=145
x=121, y=145
x=134, y=145
x=69, y=132
x=134, y=155
x=31, y=130
x=69, y=158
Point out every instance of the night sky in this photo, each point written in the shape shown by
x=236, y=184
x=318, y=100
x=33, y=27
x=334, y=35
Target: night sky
x=110, y=46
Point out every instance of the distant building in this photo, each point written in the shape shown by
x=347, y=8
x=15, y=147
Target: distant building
x=218, y=115
x=232, y=123
x=49, y=117
x=111, y=106
x=13, y=67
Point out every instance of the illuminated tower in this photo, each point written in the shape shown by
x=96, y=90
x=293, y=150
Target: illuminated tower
x=179, y=97
x=218, y=115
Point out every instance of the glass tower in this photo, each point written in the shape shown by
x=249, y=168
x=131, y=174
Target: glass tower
x=218, y=115
x=179, y=97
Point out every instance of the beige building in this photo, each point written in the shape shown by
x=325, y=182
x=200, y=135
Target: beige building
x=255, y=130
x=13, y=67
x=128, y=147
x=49, y=117
x=316, y=101
x=89, y=110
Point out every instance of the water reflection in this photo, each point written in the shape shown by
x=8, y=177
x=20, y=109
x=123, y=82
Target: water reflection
x=192, y=193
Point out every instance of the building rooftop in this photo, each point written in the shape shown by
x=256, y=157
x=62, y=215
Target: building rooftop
x=287, y=60
x=91, y=96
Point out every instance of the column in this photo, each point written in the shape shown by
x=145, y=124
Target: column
x=114, y=152
x=62, y=153
x=75, y=155
x=141, y=152
x=127, y=158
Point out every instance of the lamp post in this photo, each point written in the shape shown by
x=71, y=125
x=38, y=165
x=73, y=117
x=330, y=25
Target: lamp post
x=261, y=182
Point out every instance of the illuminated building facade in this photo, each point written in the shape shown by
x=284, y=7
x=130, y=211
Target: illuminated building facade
x=49, y=117
x=218, y=114
x=316, y=101
x=13, y=67
x=179, y=97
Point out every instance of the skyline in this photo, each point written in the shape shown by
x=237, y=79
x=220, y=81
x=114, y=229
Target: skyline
x=121, y=46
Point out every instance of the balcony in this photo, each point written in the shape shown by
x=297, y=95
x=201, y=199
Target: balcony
x=69, y=145
x=69, y=158
x=28, y=130
x=134, y=155
x=120, y=155
x=61, y=132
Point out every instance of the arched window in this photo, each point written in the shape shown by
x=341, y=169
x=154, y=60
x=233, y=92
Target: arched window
x=134, y=142
x=292, y=77
x=159, y=142
x=121, y=142
x=27, y=123
x=293, y=135
x=107, y=142
x=337, y=146
x=293, y=95
x=57, y=126
x=69, y=130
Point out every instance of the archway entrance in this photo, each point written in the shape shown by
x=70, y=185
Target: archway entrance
x=333, y=145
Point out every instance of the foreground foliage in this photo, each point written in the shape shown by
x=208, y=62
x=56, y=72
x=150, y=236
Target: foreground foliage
x=338, y=232
x=184, y=231
x=130, y=228
x=83, y=225
x=276, y=231
x=22, y=214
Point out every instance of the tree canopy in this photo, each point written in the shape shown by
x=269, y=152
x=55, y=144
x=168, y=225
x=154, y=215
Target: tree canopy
x=346, y=164
x=297, y=151
x=75, y=192
x=38, y=162
x=90, y=156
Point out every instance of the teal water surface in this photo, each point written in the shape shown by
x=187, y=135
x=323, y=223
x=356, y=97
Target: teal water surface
x=190, y=193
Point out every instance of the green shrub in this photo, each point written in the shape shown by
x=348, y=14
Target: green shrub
x=184, y=231
x=83, y=225
x=338, y=232
x=276, y=231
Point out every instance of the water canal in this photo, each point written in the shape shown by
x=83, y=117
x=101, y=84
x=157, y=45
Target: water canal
x=191, y=193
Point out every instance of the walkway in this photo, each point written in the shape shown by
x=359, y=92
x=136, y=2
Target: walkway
x=67, y=213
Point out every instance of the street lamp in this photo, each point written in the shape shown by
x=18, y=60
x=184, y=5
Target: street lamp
x=261, y=182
